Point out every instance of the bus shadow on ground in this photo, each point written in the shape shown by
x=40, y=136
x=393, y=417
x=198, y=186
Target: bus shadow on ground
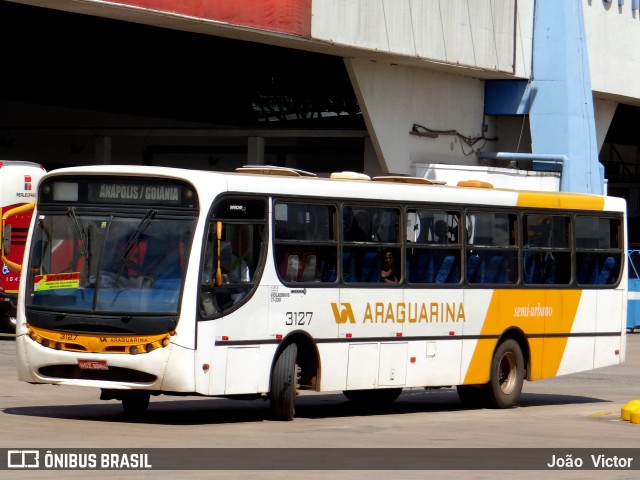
x=225, y=411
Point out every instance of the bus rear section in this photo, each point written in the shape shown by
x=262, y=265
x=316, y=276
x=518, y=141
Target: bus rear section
x=18, y=186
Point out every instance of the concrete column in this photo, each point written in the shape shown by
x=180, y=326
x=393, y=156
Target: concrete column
x=103, y=150
x=562, y=112
x=371, y=162
x=255, y=151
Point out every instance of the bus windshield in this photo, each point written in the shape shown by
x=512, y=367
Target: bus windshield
x=108, y=263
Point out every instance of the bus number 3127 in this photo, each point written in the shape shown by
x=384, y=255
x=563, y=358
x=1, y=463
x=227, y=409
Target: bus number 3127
x=299, y=318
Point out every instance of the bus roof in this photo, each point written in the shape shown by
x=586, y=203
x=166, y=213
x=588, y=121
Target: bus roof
x=395, y=188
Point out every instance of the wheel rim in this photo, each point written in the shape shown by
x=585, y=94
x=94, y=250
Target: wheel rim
x=507, y=373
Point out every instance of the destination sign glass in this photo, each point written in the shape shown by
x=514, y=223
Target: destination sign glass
x=114, y=190
x=135, y=193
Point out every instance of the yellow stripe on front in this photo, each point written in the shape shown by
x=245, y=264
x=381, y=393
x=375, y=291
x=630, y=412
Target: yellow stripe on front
x=543, y=312
x=560, y=200
x=97, y=343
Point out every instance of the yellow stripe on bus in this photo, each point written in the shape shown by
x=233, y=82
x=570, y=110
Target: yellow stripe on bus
x=560, y=200
x=98, y=343
x=545, y=312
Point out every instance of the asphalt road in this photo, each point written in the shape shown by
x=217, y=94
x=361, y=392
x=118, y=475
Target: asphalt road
x=574, y=411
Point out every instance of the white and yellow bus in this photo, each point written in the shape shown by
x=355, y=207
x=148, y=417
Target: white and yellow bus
x=268, y=281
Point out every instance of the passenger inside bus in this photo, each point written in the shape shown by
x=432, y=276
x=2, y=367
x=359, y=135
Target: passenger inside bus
x=390, y=272
x=234, y=268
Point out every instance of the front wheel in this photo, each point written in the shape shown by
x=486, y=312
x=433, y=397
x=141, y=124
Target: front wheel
x=284, y=384
x=507, y=376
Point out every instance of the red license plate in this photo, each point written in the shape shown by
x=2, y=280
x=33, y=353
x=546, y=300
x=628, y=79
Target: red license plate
x=93, y=364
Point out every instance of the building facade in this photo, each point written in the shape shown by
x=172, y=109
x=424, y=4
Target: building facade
x=535, y=91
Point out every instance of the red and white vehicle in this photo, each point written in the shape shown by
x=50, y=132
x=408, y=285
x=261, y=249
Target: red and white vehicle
x=18, y=186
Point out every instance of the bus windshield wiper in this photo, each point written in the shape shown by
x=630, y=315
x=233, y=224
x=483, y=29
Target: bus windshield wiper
x=84, y=250
x=135, y=236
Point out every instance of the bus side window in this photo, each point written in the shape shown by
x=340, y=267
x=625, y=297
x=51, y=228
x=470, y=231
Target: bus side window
x=547, y=253
x=361, y=265
x=289, y=267
x=208, y=267
x=360, y=229
x=598, y=250
x=495, y=260
x=309, y=255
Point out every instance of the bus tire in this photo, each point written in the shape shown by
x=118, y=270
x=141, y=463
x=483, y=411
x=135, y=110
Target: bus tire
x=8, y=313
x=9, y=323
x=284, y=384
x=380, y=396
x=135, y=403
x=506, y=376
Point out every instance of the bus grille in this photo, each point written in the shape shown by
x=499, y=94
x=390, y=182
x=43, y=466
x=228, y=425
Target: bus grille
x=114, y=374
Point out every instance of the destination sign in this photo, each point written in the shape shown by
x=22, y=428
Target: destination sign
x=118, y=190
x=113, y=192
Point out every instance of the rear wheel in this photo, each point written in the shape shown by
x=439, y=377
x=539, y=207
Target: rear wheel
x=284, y=384
x=507, y=376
